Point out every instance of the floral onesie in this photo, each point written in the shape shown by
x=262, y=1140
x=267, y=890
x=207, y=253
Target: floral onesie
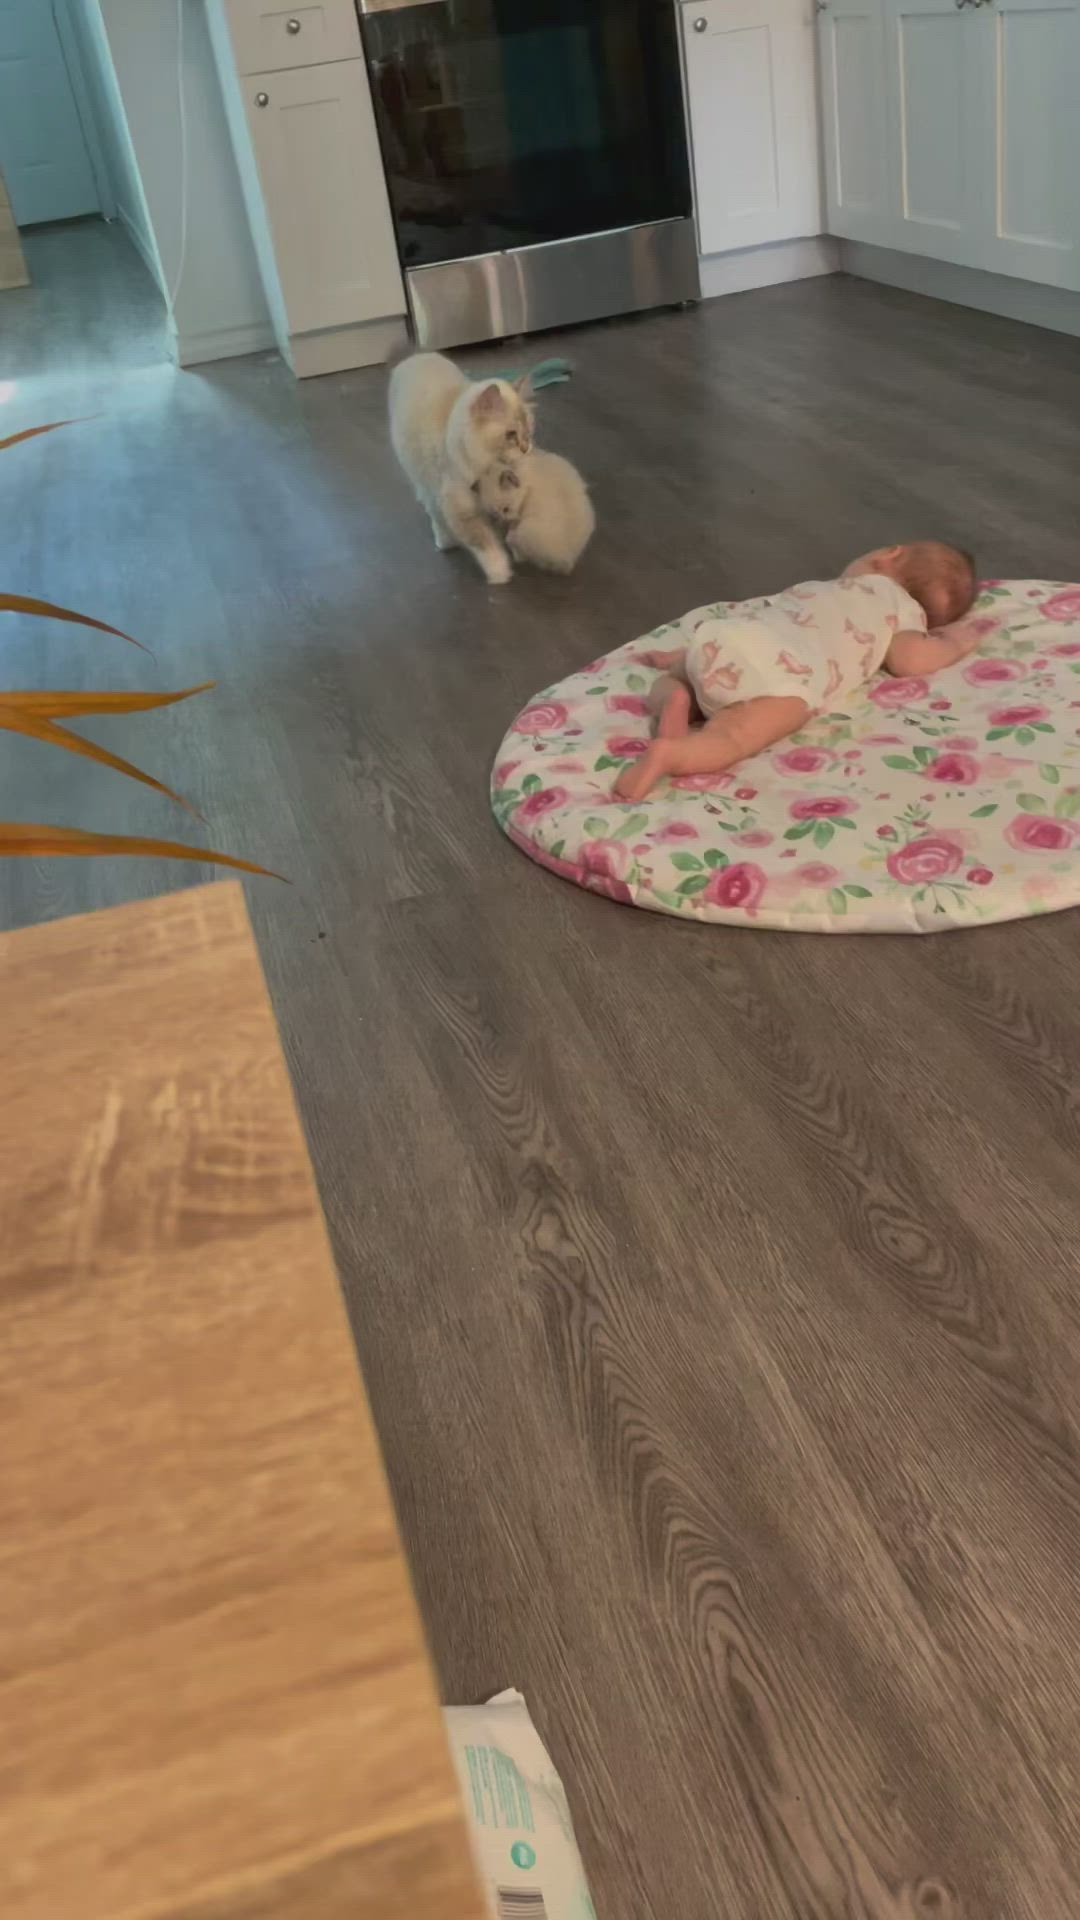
x=819, y=641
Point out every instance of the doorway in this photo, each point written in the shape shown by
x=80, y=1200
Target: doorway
x=74, y=236
x=46, y=133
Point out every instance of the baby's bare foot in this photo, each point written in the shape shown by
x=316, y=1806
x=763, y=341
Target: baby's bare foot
x=638, y=780
x=675, y=719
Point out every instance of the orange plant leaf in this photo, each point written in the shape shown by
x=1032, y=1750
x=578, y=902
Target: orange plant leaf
x=27, y=838
x=20, y=603
x=36, y=727
x=50, y=704
x=31, y=433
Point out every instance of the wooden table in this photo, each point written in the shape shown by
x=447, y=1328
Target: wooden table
x=214, y=1693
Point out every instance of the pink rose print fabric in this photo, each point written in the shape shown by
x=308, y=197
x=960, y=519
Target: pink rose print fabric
x=929, y=804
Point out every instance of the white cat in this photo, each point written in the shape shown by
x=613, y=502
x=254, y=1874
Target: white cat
x=542, y=505
x=447, y=431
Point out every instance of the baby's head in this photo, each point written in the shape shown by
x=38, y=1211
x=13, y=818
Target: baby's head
x=939, y=577
x=501, y=492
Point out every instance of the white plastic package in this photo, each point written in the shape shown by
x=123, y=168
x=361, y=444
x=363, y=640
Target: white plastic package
x=519, y=1819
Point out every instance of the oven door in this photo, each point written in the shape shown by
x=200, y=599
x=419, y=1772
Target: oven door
x=509, y=123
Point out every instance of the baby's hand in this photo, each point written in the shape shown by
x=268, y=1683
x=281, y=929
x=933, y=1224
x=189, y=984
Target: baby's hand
x=965, y=635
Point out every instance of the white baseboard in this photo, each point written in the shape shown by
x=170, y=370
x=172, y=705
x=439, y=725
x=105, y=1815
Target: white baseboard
x=335, y=349
x=999, y=293
x=766, y=266
x=222, y=343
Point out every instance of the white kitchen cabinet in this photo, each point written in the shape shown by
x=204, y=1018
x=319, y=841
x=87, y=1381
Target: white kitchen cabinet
x=852, y=54
x=308, y=152
x=751, y=94
x=951, y=130
x=317, y=154
x=930, y=88
x=1026, y=173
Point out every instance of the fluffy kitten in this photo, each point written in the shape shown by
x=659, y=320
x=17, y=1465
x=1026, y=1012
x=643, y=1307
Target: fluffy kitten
x=447, y=431
x=542, y=504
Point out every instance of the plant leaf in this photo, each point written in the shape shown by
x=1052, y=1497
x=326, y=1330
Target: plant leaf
x=36, y=727
x=29, y=838
x=50, y=704
x=31, y=433
x=22, y=603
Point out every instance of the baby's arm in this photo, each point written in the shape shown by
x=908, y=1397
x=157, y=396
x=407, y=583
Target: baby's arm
x=918, y=653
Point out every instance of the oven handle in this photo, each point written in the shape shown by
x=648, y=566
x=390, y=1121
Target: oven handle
x=394, y=6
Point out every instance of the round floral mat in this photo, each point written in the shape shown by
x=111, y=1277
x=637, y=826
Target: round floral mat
x=934, y=804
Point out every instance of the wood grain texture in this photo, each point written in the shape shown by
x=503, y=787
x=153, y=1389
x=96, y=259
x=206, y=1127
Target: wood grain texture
x=214, y=1692
x=716, y=1291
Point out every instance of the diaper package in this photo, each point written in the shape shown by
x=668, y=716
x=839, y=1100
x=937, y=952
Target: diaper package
x=519, y=1820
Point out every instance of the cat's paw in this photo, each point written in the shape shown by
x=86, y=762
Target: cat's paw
x=498, y=571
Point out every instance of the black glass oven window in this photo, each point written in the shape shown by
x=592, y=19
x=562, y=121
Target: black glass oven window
x=505, y=123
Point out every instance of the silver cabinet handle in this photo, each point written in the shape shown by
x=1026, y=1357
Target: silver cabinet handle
x=263, y=99
x=292, y=26
x=700, y=25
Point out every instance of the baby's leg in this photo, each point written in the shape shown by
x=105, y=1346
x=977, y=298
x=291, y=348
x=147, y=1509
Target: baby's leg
x=735, y=733
x=669, y=697
x=669, y=703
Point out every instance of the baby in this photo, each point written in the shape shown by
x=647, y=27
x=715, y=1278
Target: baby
x=759, y=671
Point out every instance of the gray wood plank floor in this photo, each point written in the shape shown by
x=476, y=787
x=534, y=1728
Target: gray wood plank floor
x=716, y=1292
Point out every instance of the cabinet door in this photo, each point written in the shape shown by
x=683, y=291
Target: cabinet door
x=1026, y=139
x=931, y=91
x=322, y=181
x=851, y=46
x=750, y=85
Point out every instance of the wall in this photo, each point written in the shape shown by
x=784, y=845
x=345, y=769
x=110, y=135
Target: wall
x=219, y=308
x=114, y=140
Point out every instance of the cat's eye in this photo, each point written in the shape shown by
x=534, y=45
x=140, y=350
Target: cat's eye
x=509, y=478
x=511, y=438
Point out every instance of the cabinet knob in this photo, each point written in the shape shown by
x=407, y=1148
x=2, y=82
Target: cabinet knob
x=292, y=26
x=263, y=99
x=700, y=25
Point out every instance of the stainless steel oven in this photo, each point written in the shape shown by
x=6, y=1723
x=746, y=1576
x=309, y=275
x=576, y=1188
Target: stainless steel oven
x=536, y=158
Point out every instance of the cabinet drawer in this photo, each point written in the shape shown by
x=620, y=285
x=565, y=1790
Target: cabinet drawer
x=267, y=35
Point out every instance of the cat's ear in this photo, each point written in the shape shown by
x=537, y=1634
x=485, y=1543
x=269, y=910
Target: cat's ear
x=489, y=400
x=524, y=386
